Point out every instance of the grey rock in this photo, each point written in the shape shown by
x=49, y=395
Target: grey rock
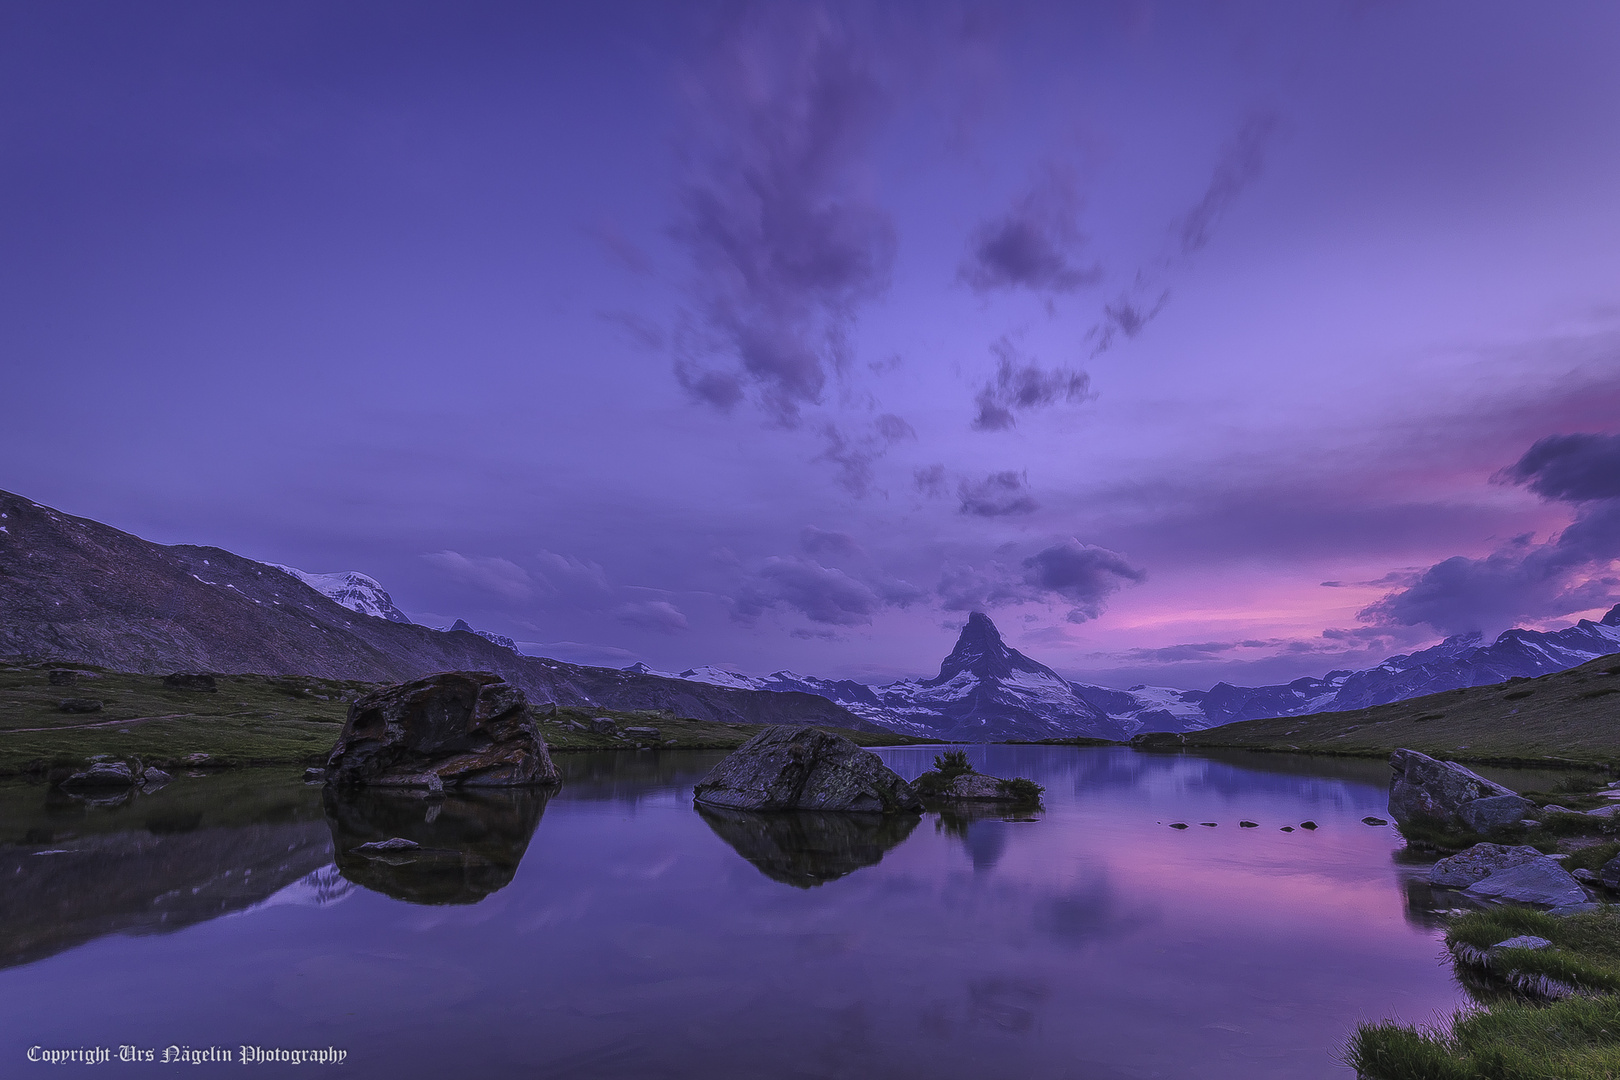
x=1539, y=881
x=1554, y=808
x=154, y=775
x=1523, y=941
x=1426, y=791
x=976, y=787
x=459, y=728
x=1564, y=910
x=604, y=725
x=103, y=774
x=1609, y=873
x=314, y=772
x=79, y=705
x=1494, y=812
x=642, y=732
x=1604, y=811
x=798, y=768
x=63, y=678
x=1479, y=862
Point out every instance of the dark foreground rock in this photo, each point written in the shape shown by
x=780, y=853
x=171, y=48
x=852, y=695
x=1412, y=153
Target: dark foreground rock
x=809, y=848
x=458, y=729
x=452, y=850
x=1518, y=874
x=797, y=768
x=1425, y=791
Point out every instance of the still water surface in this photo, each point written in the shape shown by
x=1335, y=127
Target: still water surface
x=611, y=930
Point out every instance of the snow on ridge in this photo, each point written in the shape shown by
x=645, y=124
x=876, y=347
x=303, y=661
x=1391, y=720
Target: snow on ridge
x=358, y=592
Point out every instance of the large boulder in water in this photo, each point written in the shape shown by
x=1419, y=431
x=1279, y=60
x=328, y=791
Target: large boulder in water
x=1425, y=791
x=789, y=767
x=458, y=729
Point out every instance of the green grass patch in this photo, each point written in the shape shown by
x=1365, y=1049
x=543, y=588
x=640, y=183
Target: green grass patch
x=1574, y=1039
x=265, y=721
x=1577, y=1038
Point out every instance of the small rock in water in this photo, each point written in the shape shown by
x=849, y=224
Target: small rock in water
x=1207, y=824
x=1523, y=941
x=1373, y=821
x=1178, y=825
x=1248, y=824
x=1307, y=824
x=155, y=775
x=397, y=843
x=314, y=772
x=1287, y=828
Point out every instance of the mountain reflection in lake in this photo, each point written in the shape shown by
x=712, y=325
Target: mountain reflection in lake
x=615, y=931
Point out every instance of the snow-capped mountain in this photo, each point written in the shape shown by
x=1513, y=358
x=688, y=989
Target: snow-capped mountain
x=498, y=639
x=986, y=690
x=354, y=590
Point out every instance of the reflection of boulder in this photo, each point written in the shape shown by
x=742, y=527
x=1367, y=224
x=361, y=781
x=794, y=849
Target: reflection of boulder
x=805, y=848
x=788, y=767
x=457, y=729
x=468, y=844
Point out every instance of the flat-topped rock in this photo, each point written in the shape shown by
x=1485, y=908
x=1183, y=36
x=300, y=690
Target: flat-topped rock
x=1519, y=874
x=789, y=767
x=1479, y=862
x=457, y=729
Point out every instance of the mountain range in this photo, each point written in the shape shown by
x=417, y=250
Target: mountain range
x=75, y=589
x=987, y=690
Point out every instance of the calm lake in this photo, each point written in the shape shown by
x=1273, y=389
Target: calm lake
x=611, y=930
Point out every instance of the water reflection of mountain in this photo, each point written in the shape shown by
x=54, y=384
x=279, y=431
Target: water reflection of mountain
x=469, y=843
x=71, y=891
x=804, y=848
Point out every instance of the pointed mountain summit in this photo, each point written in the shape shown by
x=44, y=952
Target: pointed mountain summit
x=985, y=689
x=981, y=652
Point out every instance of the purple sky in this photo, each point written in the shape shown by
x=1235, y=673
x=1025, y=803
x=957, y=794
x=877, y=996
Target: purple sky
x=1191, y=341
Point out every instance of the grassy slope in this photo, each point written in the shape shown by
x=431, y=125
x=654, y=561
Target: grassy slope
x=254, y=720
x=1572, y=717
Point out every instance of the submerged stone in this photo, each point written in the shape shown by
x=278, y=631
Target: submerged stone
x=790, y=767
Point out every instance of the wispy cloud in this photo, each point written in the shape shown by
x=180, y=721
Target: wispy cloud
x=785, y=241
x=997, y=495
x=1021, y=385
